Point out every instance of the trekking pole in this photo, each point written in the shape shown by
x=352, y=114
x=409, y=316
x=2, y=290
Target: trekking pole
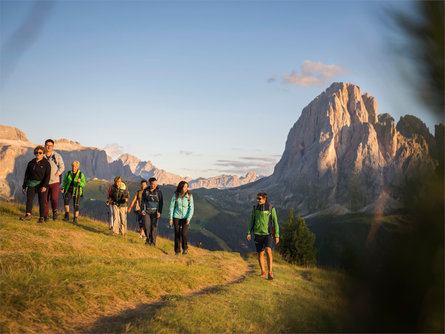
x=78, y=197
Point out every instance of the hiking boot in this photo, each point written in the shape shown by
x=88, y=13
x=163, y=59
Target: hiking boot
x=46, y=219
x=263, y=275
x=55, y=215
x=67, y=216
x=270, y=276
x=25, y=218
x=185, y=252
x=75, y=220
x=41, y=220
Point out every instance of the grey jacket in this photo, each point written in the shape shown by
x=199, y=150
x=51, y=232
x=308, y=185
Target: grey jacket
x=57, y=166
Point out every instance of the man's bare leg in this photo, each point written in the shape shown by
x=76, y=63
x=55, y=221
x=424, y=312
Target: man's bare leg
x=261, y=261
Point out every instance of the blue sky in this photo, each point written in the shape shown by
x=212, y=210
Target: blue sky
x=188, y=84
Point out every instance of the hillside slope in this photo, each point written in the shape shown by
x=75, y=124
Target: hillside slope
x=58, y=277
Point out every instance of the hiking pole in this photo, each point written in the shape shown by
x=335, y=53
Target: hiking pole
x=78, y=199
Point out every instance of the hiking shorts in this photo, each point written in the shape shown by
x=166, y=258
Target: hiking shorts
x=68, y=196
x=262, y=241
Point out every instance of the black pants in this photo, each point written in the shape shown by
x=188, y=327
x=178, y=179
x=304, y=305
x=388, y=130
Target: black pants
x=181, y=229
x=151, y=227
x=30, y=193
x=139, y=219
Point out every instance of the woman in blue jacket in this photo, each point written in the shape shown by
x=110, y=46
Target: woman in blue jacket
x=181, y=212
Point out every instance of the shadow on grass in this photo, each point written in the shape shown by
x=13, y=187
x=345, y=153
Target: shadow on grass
x=144, y=312
x=90, y=229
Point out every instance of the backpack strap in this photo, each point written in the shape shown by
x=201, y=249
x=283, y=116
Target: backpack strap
x=270, y=223
x=176, y=200
x=254, y=219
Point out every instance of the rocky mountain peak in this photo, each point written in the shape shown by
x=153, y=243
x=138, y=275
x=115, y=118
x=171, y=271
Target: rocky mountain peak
x=341, y=152
x=11, y=133
x=251, y=176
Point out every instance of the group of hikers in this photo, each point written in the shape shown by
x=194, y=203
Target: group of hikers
x=43, y=177
x=148, y=202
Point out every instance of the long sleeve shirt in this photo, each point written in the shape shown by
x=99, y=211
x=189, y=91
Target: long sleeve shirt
x=37, y=171
x=264, y=221
x=57, y=166
x=152, y=200
x=183, y=209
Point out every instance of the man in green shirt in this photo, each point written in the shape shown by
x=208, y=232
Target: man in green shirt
x=264, y=225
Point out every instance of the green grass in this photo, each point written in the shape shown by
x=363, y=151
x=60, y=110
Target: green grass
x=58, y=277
x=297, y=300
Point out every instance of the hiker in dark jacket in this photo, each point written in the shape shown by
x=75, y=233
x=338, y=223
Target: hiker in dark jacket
x=72, y=188
x=181, y=212
x=119, y=195
x=136, y=202
x=57, y=168
x=151, y=209
x=37, y=175
x=264, y=225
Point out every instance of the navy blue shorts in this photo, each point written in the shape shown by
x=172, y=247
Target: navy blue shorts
x=262, y=241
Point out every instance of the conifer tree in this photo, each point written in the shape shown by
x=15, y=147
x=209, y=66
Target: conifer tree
x=297, y=241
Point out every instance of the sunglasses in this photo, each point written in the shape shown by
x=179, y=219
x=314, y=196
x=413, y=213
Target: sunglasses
x=258, y=198
x=38, y=153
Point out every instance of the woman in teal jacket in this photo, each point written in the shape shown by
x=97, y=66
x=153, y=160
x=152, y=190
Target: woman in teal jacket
x=180, y=214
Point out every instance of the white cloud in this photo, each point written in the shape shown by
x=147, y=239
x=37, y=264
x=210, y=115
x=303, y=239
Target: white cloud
x=185, y=153
x=260, y=165
x=114, y=150
x=312, y=74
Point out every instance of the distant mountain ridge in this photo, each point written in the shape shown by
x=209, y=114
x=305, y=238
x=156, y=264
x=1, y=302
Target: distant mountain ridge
x=223, y=181
x=16, y=151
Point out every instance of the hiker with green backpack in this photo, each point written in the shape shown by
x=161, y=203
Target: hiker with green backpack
x=264, y=225
x=181, y=212
x=72, y=188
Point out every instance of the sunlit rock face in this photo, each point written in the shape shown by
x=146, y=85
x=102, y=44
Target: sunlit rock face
x=341, y=152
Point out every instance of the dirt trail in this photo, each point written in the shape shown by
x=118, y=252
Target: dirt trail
x=113, y=322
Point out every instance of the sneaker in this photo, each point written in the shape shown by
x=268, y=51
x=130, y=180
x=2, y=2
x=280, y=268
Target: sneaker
x=141, y=236
x=185, y=252
x=67, y=217
x=25, y=218
x=41, y=220
x=55, y=215
x=263, y=275
x=270, y=276
x=177, y=253
x=46, y=219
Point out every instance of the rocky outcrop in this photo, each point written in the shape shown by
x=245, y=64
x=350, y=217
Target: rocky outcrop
x=341, y=153
x=223, y=181
x=12, y=133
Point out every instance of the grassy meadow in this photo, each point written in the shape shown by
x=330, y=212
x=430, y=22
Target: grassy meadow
x=59, y=277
